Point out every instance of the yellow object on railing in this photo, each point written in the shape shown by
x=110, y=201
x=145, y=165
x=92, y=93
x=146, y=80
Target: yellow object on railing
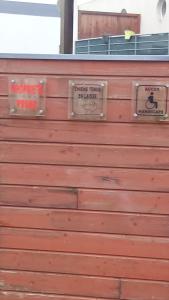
x=128, y=34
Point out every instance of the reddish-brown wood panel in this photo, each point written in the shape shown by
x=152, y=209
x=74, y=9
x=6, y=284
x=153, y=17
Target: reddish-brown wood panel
x=36, y=196
x=85, y=132
x=6, y=295
x=118, y=223
x=85, y=155
x=89, y=243
x=102, y=200
x=58, y=86
x=144, y=290
x=60, y=284
x=95, y=24
x=96, y=192
x=57, y=109
x=124, y=201
x=86, y=68
x=85, y=177
x=80, y=264
x=119, y=87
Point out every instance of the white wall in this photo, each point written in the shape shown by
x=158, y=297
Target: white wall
x=150, y=21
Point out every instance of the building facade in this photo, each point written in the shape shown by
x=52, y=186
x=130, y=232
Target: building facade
x=154, y=13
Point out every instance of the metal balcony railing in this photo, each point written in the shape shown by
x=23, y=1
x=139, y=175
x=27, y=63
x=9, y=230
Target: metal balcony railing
x=145, y=44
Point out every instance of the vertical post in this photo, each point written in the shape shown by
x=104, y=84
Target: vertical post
x=66, y=33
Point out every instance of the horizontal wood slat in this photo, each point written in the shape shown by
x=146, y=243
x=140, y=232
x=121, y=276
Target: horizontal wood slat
x=124, y=201
x=85, y=155
x=67, y=220
x=38, y=196
x=144, y=290
x=57, y=109
x=6, y=295
x=58, y=86
x=60, y=284
x=85, y=133
x=88, y=243
x=70, y=176
x=102, y=200
x=87, y=68
x=93, y=265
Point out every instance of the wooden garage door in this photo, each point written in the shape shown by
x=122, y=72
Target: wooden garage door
x=95, y=24
x=84, y=206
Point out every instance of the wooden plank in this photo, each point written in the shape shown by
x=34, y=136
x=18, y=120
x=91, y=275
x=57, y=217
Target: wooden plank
x=59, y=284
x=6, y=295
x=118, y=88
x=85, y=155
x=104, y=200
x=98, y=222
x=144, y=290
x=69, y=67
x=57, y=85
x=3, y=85
x=87, y=177
x=80, y=264
x=124, y=201
x=38, y=196
x=87, y=243
x=85, y=133
x=57, y=109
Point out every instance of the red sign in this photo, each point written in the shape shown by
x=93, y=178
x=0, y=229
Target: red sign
x=27, y=96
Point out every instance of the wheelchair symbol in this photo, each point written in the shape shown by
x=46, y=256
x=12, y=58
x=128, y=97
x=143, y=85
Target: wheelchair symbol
x=150, y=102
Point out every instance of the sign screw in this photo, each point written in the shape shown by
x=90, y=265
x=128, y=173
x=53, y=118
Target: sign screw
x=135, y=115
x=102, y=115
x=72, y=114
x=41, y=111
x=42, y=82
x=13, y=81
x=12, y=110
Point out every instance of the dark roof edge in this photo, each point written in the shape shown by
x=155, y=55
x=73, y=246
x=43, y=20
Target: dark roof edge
x=87, y=57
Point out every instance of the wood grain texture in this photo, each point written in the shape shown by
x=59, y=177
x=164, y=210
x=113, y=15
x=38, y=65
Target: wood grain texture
x=144, y=290
x=57, y=109
x=102, y=200
x=85, y=133
x=80, y=264
x=59, y=284
x=85, y=155
x=93, y=24
x=86, y=177
x=116, y=223
x=124, y=201
x=58, y=86
x=87, y=243
x=6, y=295
x=84, y=206
x=87, y=68
x=38, y=196
x=119, y=87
